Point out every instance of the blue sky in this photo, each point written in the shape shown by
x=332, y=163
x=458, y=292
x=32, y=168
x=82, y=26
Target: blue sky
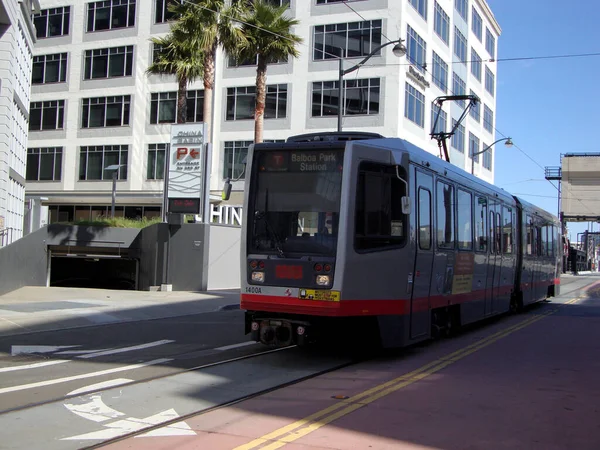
x=548, y=106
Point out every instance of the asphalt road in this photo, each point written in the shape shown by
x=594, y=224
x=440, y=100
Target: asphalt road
x=83, y=381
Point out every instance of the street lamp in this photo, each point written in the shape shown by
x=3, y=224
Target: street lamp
x=115, y=168
x=399, y=50
x=508, y=143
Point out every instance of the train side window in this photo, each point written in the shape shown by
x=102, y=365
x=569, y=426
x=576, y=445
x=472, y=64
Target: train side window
x=480, y=224
x=529, y=231
x=507, y=230
x=445, y=215
x=379, y=220
x=464, y=216
x=498, y=236
x=424, y=219
x=492, y=233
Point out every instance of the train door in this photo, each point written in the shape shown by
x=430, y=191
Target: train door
x=482, y=243
x=498, y=266
x=493, y=260
x=422, y=223
x=527, y=286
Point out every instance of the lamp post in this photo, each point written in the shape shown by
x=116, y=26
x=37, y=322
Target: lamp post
x=509, y=143
x=399, y=50
x=115, y=168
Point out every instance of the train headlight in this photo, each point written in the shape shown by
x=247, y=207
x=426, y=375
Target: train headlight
x=323, y=280
x=258, y=277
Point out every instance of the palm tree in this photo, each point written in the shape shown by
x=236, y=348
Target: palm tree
x=213, y=24
x=268, y=36
x=175, y=56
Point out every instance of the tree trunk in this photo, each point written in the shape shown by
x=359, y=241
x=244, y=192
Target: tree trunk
x=261, y=94
x=182, y=100
x=209, y=85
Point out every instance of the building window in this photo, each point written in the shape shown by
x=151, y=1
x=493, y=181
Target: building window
x=52, y=22
x=235, y=153
x=44, y=164
x=346, y=40
x=232, y=62
x=49, y=69
x=462, y=7
x=445, y=215
x=476, y=23
x=414, y=105
x=416, y=49
x=156, y=161
x=473, y=147
x=106, y=111
x=487, y=158
x=110, y=15
x=488, y=118
x=490, y=43
x=421, y=7
x=459, y=88
x=458, y=138
x=442, y=119
x=161, y=10
x=48, y=115
x=440, y=72
x=108, y=62
x=475, y=64
x=489, y=81
x=441, y=23
x=475, y=111
x=241, y=102
x=460, y=46
x=163, y=107
x=95, y=159
x=361, y=97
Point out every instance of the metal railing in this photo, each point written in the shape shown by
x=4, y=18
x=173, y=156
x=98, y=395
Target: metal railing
x=6, y=236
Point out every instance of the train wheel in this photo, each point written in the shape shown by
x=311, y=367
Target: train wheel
x=516, y=304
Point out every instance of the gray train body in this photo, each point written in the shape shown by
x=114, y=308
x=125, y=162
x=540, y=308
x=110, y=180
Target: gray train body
x=415, y=246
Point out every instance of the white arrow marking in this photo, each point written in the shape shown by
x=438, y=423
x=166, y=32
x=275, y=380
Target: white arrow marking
x=81, y=352
x=27, y=349
x=96, y=410
x=127, y=349
x=93, y=407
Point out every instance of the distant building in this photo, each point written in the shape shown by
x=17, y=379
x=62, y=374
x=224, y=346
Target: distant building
x=93, y=105
x=17, y=37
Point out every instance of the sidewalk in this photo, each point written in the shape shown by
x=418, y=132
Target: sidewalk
x=32, y=309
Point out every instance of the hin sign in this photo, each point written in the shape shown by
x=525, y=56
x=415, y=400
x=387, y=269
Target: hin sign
x=186, y=168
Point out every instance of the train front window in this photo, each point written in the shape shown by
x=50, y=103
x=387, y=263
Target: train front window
x=296, y=202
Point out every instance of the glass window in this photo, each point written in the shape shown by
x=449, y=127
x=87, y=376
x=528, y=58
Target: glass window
x=529, y=239
x=156, y=161
x=416, y=49
x=346, y=40
x=414, y=105
x=441, y=23
x=465, y=217
x=445, y=215
x=507, y=230
x=424, y=219
x=379, y=219
x=481, y=224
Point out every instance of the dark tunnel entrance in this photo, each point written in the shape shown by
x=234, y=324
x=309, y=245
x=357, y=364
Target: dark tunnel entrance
x=97, y=271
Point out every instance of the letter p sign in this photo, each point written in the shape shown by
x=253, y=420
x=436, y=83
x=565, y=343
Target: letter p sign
x=183, y=151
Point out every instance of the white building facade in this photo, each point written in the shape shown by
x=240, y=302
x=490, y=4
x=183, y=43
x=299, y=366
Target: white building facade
x=93, y=104
x=17, y=37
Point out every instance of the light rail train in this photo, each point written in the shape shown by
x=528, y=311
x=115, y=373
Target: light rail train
x=358, y=235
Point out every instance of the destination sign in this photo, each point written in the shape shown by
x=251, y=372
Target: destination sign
x=301, y=161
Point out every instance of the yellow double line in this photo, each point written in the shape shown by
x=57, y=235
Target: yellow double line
x=300, y=428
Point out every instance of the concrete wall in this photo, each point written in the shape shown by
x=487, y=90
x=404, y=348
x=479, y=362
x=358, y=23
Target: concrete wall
x=24, y=262
x=224, y=257
x=190, y=257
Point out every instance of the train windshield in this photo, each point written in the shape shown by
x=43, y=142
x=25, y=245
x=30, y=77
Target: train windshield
x=295, y=202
